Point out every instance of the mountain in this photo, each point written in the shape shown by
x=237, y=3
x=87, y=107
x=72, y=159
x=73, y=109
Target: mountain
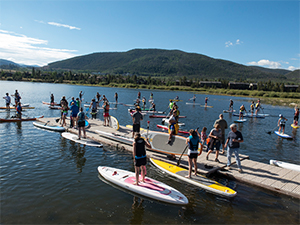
x=280, y=71
x=6, y=64
x=166, y=63
x=294, y=75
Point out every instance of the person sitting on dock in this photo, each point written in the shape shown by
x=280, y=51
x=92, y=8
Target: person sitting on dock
x=281, y=123
x=139, y=157
x=136, y=119
x=193, y=142
x=233, y=141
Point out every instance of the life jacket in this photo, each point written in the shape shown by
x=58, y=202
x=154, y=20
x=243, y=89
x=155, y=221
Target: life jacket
x=193, y=144
x=140, y=148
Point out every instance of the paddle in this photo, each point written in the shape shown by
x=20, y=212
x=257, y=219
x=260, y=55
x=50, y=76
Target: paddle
x=181, y=156
x=269, y=132
x=148, y=122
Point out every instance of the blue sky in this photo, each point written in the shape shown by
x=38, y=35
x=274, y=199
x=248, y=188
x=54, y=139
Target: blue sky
x=264, y=33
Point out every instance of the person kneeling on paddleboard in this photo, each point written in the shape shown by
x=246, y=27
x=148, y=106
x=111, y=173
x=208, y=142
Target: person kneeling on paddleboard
x=281, y=123
x=193, y=142
x=139, y=156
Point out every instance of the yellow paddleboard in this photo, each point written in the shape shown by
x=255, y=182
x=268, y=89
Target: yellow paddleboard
x=141, y=129
x=199, y=180
x=295, y=126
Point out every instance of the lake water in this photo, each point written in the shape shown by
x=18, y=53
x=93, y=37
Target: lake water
x=46, y=179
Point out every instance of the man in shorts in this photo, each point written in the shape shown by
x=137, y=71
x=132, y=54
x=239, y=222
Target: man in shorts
x=136, y=119
x=7, y=101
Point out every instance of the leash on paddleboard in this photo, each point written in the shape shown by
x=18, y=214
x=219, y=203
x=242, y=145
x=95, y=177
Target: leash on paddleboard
x=181, y=156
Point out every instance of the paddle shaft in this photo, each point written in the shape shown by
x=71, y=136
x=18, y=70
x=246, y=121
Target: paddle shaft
x=181, y=155
x=269, y=132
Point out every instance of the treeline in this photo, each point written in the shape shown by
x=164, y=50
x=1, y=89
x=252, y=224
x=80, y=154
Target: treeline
x=107, y=79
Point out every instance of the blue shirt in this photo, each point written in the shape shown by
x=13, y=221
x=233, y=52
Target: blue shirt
x=74, y=109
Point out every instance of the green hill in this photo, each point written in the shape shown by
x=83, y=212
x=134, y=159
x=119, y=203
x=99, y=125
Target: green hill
x=165, y=63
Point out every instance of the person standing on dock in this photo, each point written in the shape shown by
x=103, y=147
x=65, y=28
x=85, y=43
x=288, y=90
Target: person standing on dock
x=106, y=113
x=136, y=119
x=94, y=108
x=223, y=126
x=139, y=157
x=81, y=123
x=234, y=139
x=215, y=136
x=74, y=112
x=193, y=142
x=7, y=101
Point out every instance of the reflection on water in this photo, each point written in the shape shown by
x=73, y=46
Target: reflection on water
x=137, y=210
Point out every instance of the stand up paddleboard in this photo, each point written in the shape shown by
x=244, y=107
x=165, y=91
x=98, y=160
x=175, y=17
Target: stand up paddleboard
x=141, y=129
x=49, y=127
x=240, y=121
x=209, y=106
x=262, y=116
x=166, y=128
x=19, y=120
x=285, y=165
x=295, y=126
x=116, y=137
x=84, y=141
x=166, y=120
x=163, y=116
x=159, y=143
x=191, y=103
x=150, y=188
x=114, y=123
x=23, y=107
x=199, y=180
x=228, y=111
x=286, y=136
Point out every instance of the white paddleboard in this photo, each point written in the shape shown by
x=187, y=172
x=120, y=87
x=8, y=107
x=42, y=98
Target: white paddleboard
x=192, y=103
x=283, y=135
x=84, y=141
x=285, y=165
x=228, y=111
x=240, y=121
x=166, y=120
x=114, y=123
x=116, y=137
x=150, y=188
x=49, y=127
x=159, y=143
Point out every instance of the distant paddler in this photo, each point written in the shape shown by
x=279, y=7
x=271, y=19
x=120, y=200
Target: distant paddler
x=230, y=106
x=80, y=95
x=257, y=107
x=116, y=97
x=19, y=110
x=242, y=110
x=51, y=99
x=252, y=107
x=193, y=98
x=206, y=100
x=17, y=98
x=171, y=105
x=98, y=96
x=296, y=116
x=281, y=123
x=7, y=101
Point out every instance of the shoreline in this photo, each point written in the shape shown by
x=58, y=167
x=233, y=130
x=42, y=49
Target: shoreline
x=289, y=99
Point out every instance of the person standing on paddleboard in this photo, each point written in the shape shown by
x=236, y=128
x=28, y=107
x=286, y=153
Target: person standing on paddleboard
x=252, y=107
x=116, y=97
x=206, y=100
x=136, y=120
x=234, y=139
x=7, y=101
x=215, y=136
x=139, y=157
x=193, y=142
x=296, y=116
x=241, y=114
x=281, y=123
x=17, y=98
x=230, y=106
x=19, y=110
x=81, y=123
x=223, y=126
x=51, y=99
x=257, y=106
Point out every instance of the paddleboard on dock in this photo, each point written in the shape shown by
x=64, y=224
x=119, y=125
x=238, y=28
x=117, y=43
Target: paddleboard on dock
x=84, y=141
x=285, y=165
x=199, y=180
x=286, y=136
x=114, y=123
x=116, y=137
x=159, y=143
x=150, y=188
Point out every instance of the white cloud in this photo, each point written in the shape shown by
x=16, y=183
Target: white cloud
x=63, y=25
x=26, y=50
x=292, y=68
x=229, y=43
x=267, y=63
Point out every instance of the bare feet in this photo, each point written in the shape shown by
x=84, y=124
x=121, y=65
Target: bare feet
x=187, y=176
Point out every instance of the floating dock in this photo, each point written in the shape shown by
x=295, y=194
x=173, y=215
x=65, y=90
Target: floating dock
x=267, y=176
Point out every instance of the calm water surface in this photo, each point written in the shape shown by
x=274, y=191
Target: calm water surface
x=46, y=179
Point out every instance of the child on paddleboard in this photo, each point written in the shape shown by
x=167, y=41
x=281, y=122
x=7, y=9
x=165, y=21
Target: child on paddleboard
x=281, y=123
